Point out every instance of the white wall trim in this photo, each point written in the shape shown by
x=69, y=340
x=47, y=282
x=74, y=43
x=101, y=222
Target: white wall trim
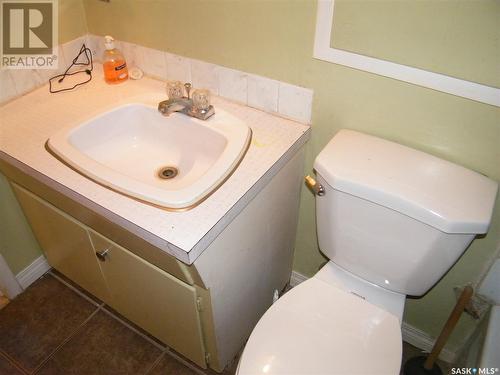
x=411, y=335
x=297, y=278
x=422, y=340
x=33, y=272
x=8, y=282
x=440, y=82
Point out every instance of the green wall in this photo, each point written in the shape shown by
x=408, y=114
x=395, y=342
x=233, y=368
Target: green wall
x=72, y=21
x=275, y=39
x=460, y=38
x=17, y=243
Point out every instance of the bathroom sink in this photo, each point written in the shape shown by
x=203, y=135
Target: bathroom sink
x=174, y=162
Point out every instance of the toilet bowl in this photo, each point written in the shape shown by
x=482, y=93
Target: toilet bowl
x=392, y=220
x=325, y=327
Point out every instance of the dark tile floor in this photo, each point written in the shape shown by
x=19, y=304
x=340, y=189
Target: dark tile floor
x=55, y=328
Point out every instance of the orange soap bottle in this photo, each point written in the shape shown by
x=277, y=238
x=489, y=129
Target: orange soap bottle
x=113, y=62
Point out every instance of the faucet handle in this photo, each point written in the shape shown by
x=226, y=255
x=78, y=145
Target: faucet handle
x=188, y=86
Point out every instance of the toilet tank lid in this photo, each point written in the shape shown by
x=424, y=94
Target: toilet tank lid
x=436, y=192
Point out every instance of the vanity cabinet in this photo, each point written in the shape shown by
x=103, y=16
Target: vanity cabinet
x=160, y=303
x=205, y=310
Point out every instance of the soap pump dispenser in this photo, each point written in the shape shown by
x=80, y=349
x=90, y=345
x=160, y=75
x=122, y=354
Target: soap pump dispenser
x=113, y=61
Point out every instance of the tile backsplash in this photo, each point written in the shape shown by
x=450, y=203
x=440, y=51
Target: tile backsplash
x=17, y=82
x=287, y=100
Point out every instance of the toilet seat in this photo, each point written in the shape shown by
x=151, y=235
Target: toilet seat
x=317, y=328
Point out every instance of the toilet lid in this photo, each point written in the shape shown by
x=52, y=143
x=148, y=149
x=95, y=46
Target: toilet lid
x=317, y=328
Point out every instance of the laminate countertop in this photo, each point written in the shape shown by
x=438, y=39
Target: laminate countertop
x=27, y=122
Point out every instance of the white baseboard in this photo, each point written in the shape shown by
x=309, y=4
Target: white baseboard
x=411, y=335
x=297, y=278
x=33, y=272
x=424, y=341
x=8, y=283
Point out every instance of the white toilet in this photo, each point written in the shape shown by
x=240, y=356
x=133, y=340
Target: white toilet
x=392, y=221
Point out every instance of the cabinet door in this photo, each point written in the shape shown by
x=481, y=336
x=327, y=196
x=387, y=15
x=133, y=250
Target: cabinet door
x=65, y=242
x=161, y=304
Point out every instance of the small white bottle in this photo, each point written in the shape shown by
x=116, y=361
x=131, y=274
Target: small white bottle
x=113, y=62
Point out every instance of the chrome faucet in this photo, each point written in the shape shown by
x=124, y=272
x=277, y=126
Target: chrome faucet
x=185, y=105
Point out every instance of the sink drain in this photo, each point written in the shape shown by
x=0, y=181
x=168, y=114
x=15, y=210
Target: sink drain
x=167, y=173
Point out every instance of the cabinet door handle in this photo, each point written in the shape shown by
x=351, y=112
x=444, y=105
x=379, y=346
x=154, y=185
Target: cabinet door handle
x=101, y=255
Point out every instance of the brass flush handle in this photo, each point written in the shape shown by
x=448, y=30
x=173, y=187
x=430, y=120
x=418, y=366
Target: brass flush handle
x=316, y=188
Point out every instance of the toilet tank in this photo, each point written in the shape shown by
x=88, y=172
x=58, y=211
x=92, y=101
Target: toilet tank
x=395, y=216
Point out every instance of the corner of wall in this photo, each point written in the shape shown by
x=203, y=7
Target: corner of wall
x=17, y=243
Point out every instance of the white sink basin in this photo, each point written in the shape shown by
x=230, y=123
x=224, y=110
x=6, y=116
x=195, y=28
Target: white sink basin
x=127, y=148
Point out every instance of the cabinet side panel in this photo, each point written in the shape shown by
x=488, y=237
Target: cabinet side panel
x=251, y=258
